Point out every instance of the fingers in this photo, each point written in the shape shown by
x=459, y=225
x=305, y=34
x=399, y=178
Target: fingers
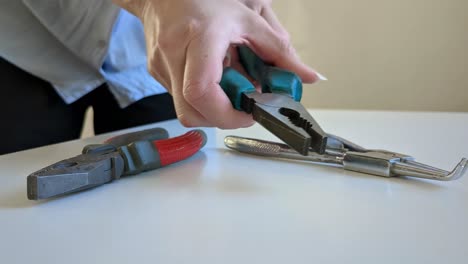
x=270, y=41
x=270, y=17
x=203, y=71
x=188, y=56
x=187, y=115
x=169, y=61
x=157, y=67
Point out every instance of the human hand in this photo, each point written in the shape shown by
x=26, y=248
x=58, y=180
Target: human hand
x=187, y=42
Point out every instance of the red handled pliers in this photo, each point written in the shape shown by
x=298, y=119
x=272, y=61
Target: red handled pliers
x=127, y=154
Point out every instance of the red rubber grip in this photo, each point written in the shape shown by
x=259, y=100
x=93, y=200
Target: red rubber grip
x=179, y=148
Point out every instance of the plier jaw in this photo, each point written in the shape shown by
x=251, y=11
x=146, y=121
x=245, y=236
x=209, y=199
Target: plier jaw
x=288, y=120
x=84, y=171
x=278, y=107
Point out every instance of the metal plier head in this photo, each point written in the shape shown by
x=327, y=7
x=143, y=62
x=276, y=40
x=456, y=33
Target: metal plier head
x=277, y=107
x=126, y=154
x=75, y=174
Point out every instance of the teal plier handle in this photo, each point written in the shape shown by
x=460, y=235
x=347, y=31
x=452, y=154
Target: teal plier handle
x=272, y=79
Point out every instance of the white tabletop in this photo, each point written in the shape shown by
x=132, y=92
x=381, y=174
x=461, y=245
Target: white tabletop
x=224, y=207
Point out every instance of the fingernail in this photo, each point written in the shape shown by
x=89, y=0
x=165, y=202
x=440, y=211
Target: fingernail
x=321, y=77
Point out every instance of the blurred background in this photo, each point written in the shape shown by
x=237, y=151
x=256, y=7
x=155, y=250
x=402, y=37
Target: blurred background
x=382, y=54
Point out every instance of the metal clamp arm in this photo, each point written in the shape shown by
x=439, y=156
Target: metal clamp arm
x=376, y=162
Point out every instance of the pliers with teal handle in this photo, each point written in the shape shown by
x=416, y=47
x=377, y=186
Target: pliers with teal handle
x=277, y=107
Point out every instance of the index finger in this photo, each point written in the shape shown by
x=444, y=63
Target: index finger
x=203, y=71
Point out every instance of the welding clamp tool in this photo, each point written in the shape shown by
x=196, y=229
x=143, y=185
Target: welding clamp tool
x=343, y=153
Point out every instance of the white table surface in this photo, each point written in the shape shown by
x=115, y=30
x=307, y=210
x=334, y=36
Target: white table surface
x=225, y=207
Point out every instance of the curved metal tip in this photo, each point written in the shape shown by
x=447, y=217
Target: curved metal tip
x=415, y=169
x=458, y=171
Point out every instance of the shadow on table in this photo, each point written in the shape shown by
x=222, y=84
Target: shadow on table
x=16, y=199
x=183, y=174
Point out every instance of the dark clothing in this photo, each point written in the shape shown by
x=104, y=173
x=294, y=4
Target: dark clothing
x=32, y=114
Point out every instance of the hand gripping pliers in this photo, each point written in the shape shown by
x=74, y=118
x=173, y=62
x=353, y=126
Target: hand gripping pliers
x=127, y=154
x=278, y=107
